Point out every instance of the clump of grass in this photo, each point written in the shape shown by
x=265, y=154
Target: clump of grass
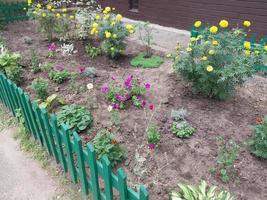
x=141, y=60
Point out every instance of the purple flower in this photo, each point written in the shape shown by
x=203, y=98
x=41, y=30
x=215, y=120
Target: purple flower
x=116, y=106
x=127, y=96
x=81, y=69
x=116, y=95
x=59, y=67
x=130, y=87
x=52, y=47
x=147, y=85
x=104, y=88
x=151, y=146
x=143, y=103
x=120, y=99
x=128, y=81
x=113, y=78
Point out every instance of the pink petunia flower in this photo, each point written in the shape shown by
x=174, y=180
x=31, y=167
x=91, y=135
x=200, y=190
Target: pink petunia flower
x=52, y=47
x=147, y=85
x=113, y=78
x=143, y=103
x=104, y=88
x=151, y=146
x=81, y=69
x=151, y=107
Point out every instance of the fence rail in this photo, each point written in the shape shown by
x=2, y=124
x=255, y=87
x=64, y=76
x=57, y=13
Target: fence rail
x=13, y=11
x=66, y=148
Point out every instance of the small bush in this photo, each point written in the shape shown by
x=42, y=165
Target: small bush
x=259, y=142
x=182, y=129
x=200, y=192
x=93, y=51
x=59, y=74
x=75, y=117
x=215, y=62
x=146, y=62
x=40, y=87
x=106, y=143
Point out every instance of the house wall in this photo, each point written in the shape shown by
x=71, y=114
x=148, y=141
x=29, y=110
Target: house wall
x=182, y=13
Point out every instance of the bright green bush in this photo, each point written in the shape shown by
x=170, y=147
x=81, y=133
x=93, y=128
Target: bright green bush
x=105, y=143
x=40, y=87
x=75, y=117
x=216, y=62
x=59, y=74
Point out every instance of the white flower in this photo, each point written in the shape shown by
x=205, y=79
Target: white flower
x=110, y=108
x=90, y=86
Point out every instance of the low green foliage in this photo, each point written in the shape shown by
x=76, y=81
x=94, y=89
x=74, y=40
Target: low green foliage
x=49, y=102
x=259, y=142
x=153, y=135
x=34, y=61
x=40, y=87
x=200, y=192
x=227, y=154
x=59, y=75
x=75, y=117
x=182, y=129
x=146, y=62
x=105, y=143
x=93, y=51
x=178, y=115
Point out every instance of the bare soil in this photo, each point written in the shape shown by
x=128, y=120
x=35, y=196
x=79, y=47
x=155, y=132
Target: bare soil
x=176, y=160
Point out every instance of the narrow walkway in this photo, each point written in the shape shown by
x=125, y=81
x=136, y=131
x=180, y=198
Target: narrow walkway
x=21, y=178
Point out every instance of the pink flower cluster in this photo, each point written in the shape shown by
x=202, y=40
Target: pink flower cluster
x=52, y=47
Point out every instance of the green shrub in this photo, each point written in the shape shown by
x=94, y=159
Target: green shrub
x=40, y=87
x=259, y=142
x=153, y=136
x=146, y=62
x=106, y=143
x=75, y=117
x=200, y=192
x=216, y=62
x=93, y=51
x=59, y=74
x=182, y=129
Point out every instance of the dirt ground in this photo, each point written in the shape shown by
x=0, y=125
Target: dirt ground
x=176, y=160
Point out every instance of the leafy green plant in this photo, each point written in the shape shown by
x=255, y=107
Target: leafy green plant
x=59, y=74
x=90, y=72
x=105, y=143
x=52, y=101
x=40, y=87
x=227, y=154
x=34, y=61
x=200, y=192
x=14, y=73
x=180, y=114
x=146, y=62
x=153, y=136
x=75, y=117
x=215, y=62
x=182, y=129
x=111, y=31
x=92, y=51
x=259, y=142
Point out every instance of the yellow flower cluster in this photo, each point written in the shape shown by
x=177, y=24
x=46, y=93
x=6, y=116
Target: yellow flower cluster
x=247, y=45
x=130, y=28
x=224, y=23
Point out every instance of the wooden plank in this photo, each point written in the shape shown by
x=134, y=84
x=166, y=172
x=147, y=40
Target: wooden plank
x=122, y=184
x=107, y=177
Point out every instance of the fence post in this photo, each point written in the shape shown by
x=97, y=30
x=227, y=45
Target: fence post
x=122, y=182
x=71, y=166
x=81, y=166
x=91, y=160
x=143, y=194
x=107, y=177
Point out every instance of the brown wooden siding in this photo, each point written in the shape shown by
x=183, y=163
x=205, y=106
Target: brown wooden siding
x=182, y=13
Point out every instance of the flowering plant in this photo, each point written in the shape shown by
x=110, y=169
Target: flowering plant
x=123, y=95
x=59, y=74
x=52, y=50
x=215, y=62
x=111, y=31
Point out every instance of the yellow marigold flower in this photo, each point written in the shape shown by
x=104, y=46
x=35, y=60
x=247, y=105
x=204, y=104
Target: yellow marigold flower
x=265, y=48
x=64, y=10
x=58, y=15
x=247, y=52
x=114, y=36
x=39, y=5
x=224, y=23
x=188, y=49
x=106, y=16
x=211, y=52
x=93, y=31
x=118, y=17
x=113, y=23
x=247, y=45
x=34, y=12
x=213, y=29
x=105, y=12
x=197, y=24
x=130, y=28
x=204, y=58
x=71, y=17
x=97, y=17
x=43, y=14
x=215, y=42
x=257, y=52
x=108, y=9
x=95, y=25
x=247, y=23
x=209, y=68
x=49, y=7
x=29, y=2
x=193, y=39
x=108, y=34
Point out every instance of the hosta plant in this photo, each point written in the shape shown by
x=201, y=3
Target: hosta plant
x=75, y=117
x=217, y=60
x=258, y=143
x=111, y=31
x=200, y=192
x=105, y=143
x=122, y=94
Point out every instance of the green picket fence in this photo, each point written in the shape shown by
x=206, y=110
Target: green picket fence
x=13, y=11
x=262, y=42
x=66, y=148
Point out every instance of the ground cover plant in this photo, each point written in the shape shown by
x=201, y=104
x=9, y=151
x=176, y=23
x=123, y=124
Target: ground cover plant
x=40, y=87
x=134, y=127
